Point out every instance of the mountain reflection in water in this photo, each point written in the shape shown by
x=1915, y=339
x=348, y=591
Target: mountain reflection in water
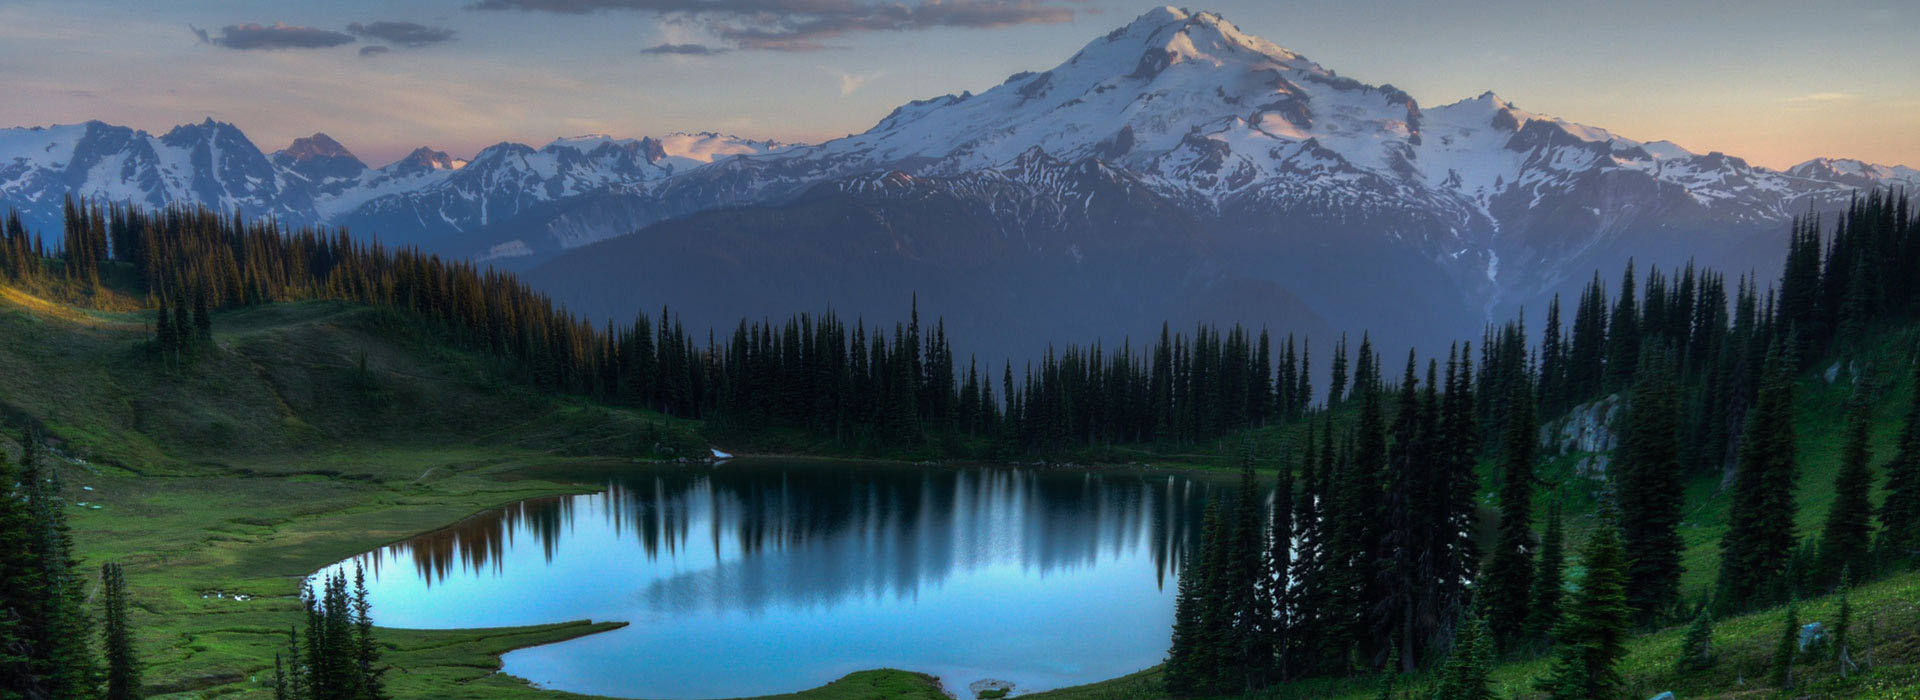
x=817, y=569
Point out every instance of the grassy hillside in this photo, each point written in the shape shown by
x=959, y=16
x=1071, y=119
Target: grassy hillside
x=315, y=431
x=1887, y=612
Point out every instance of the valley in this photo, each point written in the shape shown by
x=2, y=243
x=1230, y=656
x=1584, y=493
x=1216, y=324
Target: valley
x=1175, y=364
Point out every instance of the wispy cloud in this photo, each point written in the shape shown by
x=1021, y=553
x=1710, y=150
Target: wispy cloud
x=802, y=25
x=275, y=36
x=1823, y=97
x=408, y=34
x=851, y=82
x=683, y=50
x=374, y=50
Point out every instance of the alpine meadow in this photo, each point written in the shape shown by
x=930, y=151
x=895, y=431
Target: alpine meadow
x=1185, y=368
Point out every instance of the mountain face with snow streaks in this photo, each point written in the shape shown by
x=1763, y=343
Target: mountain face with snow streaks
x=1244, y=169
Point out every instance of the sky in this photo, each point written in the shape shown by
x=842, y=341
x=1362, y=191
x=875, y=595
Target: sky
x=1773, y=81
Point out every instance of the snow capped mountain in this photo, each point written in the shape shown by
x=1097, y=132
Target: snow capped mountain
x=1856, y=173
x=1280, y=172
x=210, y=164
x=319, y=160
x=317, y=180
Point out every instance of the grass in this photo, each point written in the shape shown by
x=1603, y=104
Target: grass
x=316, y=431
x=1886, y=613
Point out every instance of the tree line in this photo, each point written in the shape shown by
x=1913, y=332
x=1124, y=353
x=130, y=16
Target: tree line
x=814, y=372
x=1366, y=561
x=47, y=625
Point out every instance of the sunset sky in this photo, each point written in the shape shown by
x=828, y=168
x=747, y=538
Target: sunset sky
x=1773, y=81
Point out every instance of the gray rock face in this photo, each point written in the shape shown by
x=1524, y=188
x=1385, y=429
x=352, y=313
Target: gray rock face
x=1587, y=428
x=1812, y=634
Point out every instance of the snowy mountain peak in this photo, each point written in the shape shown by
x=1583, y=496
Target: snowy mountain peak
x=708, y=146
x=316, y=146
x=425, y=159
x=1856, y=172
x=319, y=159
x=1167, y=36
x=206, y=130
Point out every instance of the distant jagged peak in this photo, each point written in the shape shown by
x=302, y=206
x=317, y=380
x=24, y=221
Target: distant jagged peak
x=708, y=146
x=1830, y=168
x=424, y=158
x=588, y=142
x=1176, y=35
x=318, y=145
x=205, y=130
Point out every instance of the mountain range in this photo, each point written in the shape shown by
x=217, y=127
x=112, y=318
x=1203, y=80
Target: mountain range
x=1174, y=169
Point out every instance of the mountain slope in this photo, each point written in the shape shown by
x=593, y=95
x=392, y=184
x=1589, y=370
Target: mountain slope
x=1350, y=196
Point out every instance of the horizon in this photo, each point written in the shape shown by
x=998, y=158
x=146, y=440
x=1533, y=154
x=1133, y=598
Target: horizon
x=451, y=77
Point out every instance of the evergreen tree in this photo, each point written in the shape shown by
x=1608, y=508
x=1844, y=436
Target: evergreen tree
x=1696, y=649
x=1591, y=641
x=366, y=653
x=21, y=587
x=1468, y=672
x=1785, y=649
x=1543, y=613
x=1587, y=352
x=1846, y=538
x=1843, y=625
x=1184, y=655
x=1760, y=529
x=1623, y=336
x=1650, y=488
x=1509, y=574
x=1899, y=540
x=123, y=668
x=61, y=628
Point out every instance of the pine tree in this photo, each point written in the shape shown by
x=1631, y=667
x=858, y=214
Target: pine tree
x=1183, y=665
x=123, y=668
x=1760, y=530
x=1785, y=649
x=1843, y=625
x=1591, y=641
x=1650, y=489
x=61, y=638
x=366, y=652
x=1279, y=561
x=1623, y=336
x=1899, y=540
x=1509, y=573
x=1468, y=672
x=1543, y=613
x=1846, y=538
x=1696, y=650
x=21, y=587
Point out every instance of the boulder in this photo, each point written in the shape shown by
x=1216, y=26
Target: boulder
x=1812, y=634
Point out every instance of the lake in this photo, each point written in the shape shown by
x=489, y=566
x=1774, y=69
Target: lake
x=754, y=577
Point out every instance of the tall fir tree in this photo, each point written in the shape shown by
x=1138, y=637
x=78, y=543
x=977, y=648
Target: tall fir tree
x=116, y=636
x=1760, y=529
x=1549, y=580
x=22, y=587
x=1786, y=649
x=1509, y=573
x=1899, y=539
x=1468, y=672
x=1590, y=643
x=1649, y=484
x=1846, y=538
x=62, y=629
x=1623, y=336
x=1696, y=649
